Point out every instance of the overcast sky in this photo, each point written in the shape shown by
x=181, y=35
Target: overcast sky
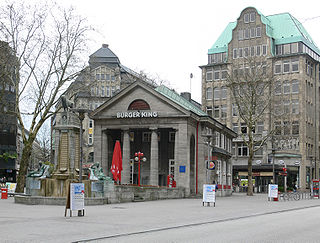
x=170, y=38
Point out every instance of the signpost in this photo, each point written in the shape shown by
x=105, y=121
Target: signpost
x=209, y=194
x=273, y=191
x=75, y=198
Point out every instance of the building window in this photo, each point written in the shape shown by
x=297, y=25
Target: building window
x=90, y=139
x=246, y=18
x=209, y=110
x=260, y=127
x=216, y=112
x=223, y=111
x=102, y=91
x=113, y=78
x=216, y=94
x=209, y=74
x=252, y=51
x=235, y=127
x=223, y=93
x=234, y=110
x=294, y=47
x=240, y=35
x=252, y=16
x=97, y=91
x=108, y=91
x=295, y=128
x=259, y=151
x=295, y=106
x=92, y=91
x=277, y=128
x=209, y=93
x=240, y=52
x=258, y=31
x=242, y=149
x=113, y=89
x=224, y=74
x=286, y=66
x=277, y=88
x=90, y=123
x=286, y=87
x=258, y=50
x=264, y=50
x=252, y=32
x=286, y=49
x=108, y=77
x=234, y=53
x=246, y=34
x=277, y=67
x=146, y=137
x=97, y=76
x=286, y=106
x=216, y=75
x=246, y=51
x=295, y=86
x=243, y=128
x=172, y=136
x=286, y=128
x=295, y=65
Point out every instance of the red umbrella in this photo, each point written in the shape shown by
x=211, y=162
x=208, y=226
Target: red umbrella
x=116, y=166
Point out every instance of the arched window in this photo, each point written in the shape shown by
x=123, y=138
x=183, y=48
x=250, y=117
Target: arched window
x=139, y=105
x=209, y=94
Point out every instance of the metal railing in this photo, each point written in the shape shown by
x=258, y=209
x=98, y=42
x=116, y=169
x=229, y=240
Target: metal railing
x=287, y=196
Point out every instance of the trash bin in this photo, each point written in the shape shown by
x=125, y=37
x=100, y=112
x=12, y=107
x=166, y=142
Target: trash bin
x=4, y=193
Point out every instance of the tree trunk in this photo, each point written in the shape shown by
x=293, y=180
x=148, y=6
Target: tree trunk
x=24, y=163
x=250, y=184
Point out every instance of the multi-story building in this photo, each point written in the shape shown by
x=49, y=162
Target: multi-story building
x=8, y=119
x=289, y=52
x=100, y=80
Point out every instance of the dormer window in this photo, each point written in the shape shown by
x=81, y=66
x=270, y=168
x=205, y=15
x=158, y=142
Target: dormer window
x=252, y=16
x=246, y=18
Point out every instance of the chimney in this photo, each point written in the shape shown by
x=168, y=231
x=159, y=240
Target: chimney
x=186, y=95
x=105, y=45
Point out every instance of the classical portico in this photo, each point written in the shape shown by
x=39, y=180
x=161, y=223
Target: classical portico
x=162, y=125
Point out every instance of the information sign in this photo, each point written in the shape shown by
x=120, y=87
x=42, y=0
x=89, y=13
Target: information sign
x=209, y=193
x=273, y=191
x=76, y=196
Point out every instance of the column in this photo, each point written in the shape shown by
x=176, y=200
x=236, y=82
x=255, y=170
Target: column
x=154, y=160
x=104, y=154
x=125, y=175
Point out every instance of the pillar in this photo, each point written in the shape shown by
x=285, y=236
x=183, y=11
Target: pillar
x=104, y=154
x=125, y=175
x=154, y=160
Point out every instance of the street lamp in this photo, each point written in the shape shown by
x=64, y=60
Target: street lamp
x=208, y=136
x=273, y=172
x=138, y=157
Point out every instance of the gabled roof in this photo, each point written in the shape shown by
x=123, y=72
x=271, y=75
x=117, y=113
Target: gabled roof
x=283, y=28
x=178, y=99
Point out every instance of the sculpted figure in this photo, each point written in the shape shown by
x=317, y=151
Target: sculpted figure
x=41, y=172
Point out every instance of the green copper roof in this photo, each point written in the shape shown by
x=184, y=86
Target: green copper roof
x=282, y=28
x=172, y=95
x=221, y=45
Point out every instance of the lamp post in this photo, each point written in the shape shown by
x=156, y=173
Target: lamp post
x=208, y=136
x=273, y=172
x=138, y=157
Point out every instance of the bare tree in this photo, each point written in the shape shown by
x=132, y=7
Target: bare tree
x=251, y=84
x=47, y=42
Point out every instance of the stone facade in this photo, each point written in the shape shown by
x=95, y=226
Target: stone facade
x=292, y=59
x=152, y=121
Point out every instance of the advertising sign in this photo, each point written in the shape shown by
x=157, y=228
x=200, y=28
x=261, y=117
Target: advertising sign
x=209, y=193
x=76, y=196
x=273, y=191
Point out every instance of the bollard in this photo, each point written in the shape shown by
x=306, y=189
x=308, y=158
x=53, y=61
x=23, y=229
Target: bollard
x=4, y=193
